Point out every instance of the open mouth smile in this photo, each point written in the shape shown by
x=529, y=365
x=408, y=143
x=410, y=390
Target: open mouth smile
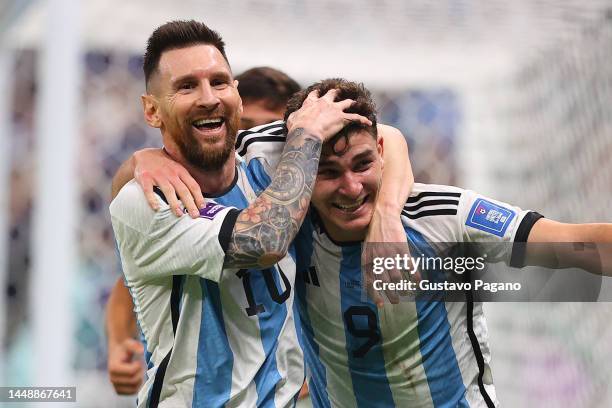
x=350, y=207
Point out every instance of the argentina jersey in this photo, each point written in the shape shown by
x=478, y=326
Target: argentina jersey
x=414, y=354
x=214, y=337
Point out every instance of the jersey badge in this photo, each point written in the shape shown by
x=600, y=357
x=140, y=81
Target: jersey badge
x=210, y=210
x=489, y=217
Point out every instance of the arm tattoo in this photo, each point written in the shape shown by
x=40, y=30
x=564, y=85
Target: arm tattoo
x=264, y=229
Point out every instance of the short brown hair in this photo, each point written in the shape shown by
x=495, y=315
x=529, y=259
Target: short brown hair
x=363, y=105
x=178, y=34
x=266, y=84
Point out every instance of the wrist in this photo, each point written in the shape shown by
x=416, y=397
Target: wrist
x=304, y=131
x=387, y=208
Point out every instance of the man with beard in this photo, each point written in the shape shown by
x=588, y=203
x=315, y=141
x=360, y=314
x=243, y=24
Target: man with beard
x=213, y=293
x=264, y=92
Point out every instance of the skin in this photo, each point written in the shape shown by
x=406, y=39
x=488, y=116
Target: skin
x=357, y=173
x=196, y=83
x=352, y=181
x=256, y=112
x=125, y=364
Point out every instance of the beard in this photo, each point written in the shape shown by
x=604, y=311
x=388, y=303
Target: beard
x=207, y=157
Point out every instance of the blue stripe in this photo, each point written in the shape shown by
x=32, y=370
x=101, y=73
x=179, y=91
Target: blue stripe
x=318, y=377
x=271, y=321
x=213, y=382
x=258, y=178
x=439, y=359
x=215, y=359
x=370, y=383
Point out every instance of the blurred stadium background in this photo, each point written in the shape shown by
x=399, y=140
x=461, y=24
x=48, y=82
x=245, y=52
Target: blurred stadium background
x=510, y=98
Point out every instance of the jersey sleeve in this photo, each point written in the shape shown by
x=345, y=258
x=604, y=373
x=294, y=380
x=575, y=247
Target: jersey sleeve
x=263, y=143
x=155, y=244
x=485, y=220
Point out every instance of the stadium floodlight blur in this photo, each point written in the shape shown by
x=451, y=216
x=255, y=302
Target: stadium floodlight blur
x=470, y=83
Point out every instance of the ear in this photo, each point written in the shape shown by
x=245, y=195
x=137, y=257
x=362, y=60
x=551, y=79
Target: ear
x=380, y=147
x=150, y=108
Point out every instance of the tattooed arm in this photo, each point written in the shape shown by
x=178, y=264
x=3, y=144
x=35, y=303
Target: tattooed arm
x=264, y=230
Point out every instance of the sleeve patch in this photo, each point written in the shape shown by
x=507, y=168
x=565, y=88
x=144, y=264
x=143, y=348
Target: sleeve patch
x=489, y=217
x=210, y=210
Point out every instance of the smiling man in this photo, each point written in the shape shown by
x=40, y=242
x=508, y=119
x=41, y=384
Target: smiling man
x=213, y=293
x=423, y=353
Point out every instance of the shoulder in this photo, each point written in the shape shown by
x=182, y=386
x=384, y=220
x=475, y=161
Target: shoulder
x=432, y=200
x=130, y=206
x=271, y=132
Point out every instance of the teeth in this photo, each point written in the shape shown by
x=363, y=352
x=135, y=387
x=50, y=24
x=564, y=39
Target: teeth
x=350, y=207
x=203, y=122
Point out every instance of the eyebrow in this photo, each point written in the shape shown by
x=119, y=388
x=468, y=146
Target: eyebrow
x=183, y=78
x=323, y=162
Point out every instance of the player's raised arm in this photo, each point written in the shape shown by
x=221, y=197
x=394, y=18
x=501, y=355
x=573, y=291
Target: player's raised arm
x=551, y=244
x=386, y=225
x=263, y=231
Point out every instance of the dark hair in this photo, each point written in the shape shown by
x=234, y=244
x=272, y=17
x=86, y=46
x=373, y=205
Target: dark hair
x=266, y=84
x=363, y=105
x=178, y=34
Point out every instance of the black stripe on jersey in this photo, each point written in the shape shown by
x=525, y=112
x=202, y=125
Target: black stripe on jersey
x=175, y=299
x=517, y=259
x=476, y=345
x=427, y=213
x=160, y=193
x=432, y=194
x=280, y=139
x=277, y=129
x=227, y=227
x=430, y=203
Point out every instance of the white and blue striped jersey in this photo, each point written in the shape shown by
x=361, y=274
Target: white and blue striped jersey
x=415, y=354
x=214, y=337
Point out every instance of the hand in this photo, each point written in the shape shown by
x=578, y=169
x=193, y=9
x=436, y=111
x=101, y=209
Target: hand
x=386, y=238
x=322, y=116
x=126, y=366
x=303, y=391
x=153, y=167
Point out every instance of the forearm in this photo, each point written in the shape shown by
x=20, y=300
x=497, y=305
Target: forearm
x=397, y=179
x=264, y=230
x=120, y=318
x=123, y=175
x=553, y=245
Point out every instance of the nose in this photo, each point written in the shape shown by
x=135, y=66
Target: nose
x=350, y=185
x=207, y=98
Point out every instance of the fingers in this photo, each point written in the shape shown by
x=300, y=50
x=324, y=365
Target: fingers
x=354, y=117
x=170, y=194
x=186, y=198
x=195, y=190
x=146, y=182
x=125, y=371
x=345, y=103
x=134, y=347
x=311, y=97
x=330, y=96
x=128, y=377
x=126, y=367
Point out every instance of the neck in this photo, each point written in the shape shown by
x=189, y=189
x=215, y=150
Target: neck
x=211, y=182
x=343, y=236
